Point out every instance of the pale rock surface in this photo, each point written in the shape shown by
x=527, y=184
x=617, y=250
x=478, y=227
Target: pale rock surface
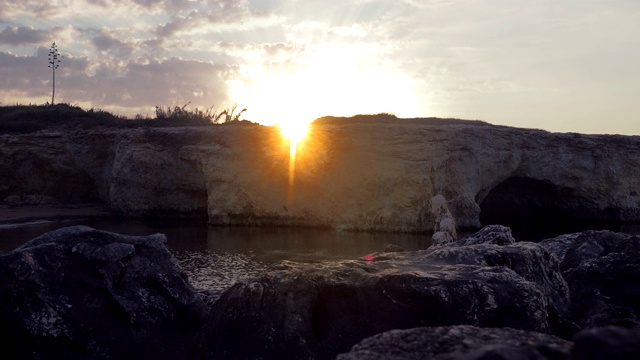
x=445, y=226
x=379, y=177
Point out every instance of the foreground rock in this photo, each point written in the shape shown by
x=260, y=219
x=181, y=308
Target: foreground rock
x=610, y=343
x=382, y=176
x=472, y=343
x=492, y=234
x=299, y=311
x=459, y=342
x=602, y=270
x=80, y=293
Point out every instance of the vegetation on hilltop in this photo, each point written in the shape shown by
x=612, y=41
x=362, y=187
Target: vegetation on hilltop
x=386, y=118
x=20, y=119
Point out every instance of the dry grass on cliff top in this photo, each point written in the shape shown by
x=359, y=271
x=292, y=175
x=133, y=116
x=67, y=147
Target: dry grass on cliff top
x=21, y=119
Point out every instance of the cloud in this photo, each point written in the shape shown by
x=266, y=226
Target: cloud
x=39, y=8
x=29, y=76
x=227, y=16
x=105, y=42
x=469, y=58
x=135, y=85
x=24, y=35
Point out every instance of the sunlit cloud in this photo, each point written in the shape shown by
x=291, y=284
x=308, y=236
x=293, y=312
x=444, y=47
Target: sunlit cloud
x=503, y=62
x=325, y=80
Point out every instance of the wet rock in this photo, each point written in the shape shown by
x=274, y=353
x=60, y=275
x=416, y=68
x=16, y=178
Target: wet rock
x=611, y=343
x=602, y=269
x=490, y=234
x=445, y=226
x=393, y=248
x=459, y=342
x=80, y=293
x=297, y=311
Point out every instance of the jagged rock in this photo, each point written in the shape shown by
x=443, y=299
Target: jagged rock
x=299, y=311
x=357, y=176
x=472, y=343
x=445, y=226
x=459, y=342
x=393, y=248
x=490, y=234
x=559, y=245
x=33, y=199
x=602, y=269
x=80, y=293
x=611, y=343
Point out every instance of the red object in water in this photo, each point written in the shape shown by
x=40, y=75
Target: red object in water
x=368, y=257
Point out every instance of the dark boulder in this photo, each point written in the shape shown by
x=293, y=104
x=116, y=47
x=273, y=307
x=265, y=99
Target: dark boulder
x=80, y=293
x=610, y=343
x=490, y=234
x=602, y=269
x=393, y=248
x=300, y=311
x=459, y=342
x=473, y=343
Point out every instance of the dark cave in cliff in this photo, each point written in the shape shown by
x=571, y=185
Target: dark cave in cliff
x=527, y=205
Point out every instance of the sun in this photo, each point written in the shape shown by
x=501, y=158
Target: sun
x=330, y=80
x=295, y=131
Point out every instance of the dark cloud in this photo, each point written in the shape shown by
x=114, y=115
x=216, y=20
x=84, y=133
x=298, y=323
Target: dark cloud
x=177, y=24
x=173, y=5
x=227, y=12
x=140, y=83
x=106, y=42
x=23, y=35
x=30, y=76
x=168, y=4
x=48, y=8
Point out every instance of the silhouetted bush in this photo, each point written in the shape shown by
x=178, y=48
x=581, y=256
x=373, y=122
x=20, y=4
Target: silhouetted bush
x=386, y=118
x=180, y=115
x=20, y=119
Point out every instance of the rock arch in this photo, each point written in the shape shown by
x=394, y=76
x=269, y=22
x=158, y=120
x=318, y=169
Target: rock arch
x=524, y=199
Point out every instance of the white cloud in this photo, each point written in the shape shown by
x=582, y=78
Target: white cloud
x=502, y=61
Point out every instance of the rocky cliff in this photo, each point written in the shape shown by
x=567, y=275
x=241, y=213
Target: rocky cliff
x=380, y=176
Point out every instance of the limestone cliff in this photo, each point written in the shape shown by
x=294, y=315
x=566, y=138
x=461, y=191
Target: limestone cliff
x=351, y=176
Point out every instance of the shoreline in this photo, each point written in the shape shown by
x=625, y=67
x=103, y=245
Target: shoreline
x=18, y=215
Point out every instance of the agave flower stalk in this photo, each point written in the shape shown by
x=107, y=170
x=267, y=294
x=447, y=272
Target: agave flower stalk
x=54, y=63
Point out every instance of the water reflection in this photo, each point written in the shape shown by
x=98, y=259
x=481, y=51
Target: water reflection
x=211, y=273
x=215, y=258
x=266, y=244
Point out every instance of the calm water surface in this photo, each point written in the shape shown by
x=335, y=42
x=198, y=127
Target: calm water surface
x=215, y=258
x=266, y=244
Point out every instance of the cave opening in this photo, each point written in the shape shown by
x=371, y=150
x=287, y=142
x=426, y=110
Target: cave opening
x=536, y=209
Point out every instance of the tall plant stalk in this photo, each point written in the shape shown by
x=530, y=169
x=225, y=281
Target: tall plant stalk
x=54, y=63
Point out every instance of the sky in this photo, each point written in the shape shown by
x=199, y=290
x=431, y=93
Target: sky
x=558, y=65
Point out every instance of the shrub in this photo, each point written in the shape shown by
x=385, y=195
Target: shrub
x=18, y=119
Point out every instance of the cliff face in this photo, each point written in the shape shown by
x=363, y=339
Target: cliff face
x=356, y=176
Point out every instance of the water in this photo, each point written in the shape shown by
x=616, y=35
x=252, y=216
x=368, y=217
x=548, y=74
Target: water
x=269, y=245
x=215, y=258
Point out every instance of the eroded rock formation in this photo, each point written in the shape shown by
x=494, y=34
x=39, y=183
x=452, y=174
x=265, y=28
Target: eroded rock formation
x=354, y=176
x=80, y=293
x=602, y=269
x=472, y=343
x=459, y=342
x=300, y=311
